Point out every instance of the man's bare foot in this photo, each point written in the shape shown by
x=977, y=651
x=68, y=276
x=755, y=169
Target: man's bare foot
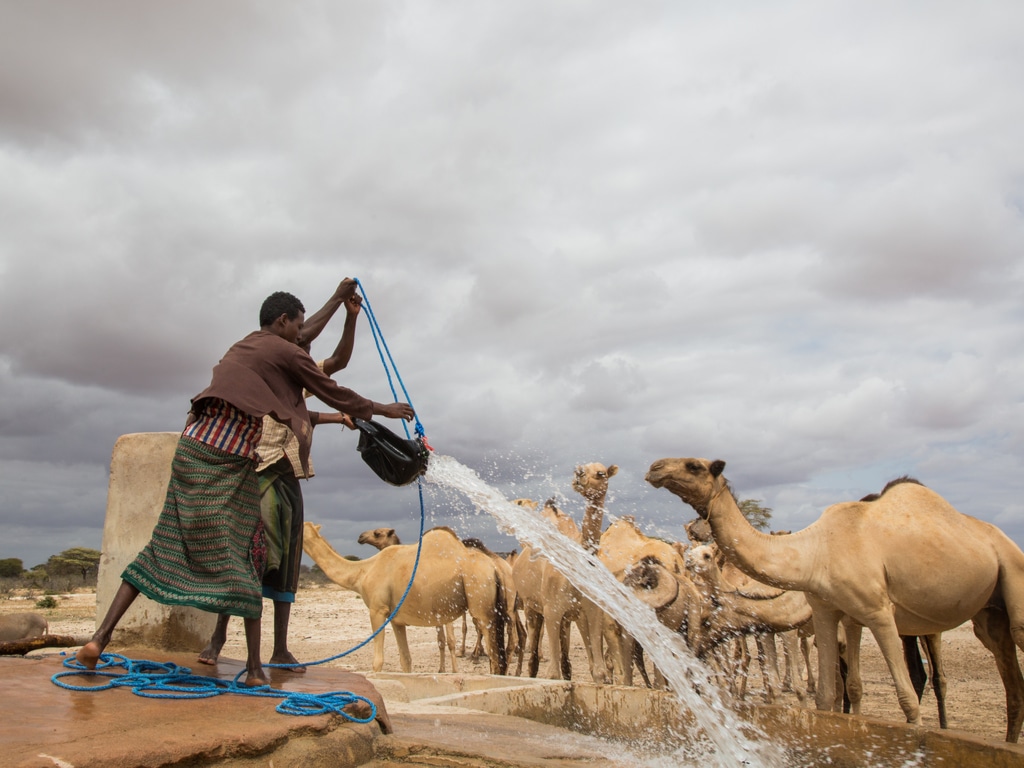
x=89, y=654
x=286, y=657
x=359, y=709
x=211, y=653
x=255, y=678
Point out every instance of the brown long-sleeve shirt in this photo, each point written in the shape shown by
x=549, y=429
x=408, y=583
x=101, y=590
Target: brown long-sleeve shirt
x=264, y=374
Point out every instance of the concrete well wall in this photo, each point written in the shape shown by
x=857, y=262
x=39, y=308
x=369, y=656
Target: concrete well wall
x=140, y=469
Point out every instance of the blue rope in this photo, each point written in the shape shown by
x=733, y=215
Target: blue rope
x=158, y=680
x=382, y=349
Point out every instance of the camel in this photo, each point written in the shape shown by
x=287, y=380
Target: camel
x=451, y=579
x=907, y=563
x=932, y=645
x=15, y=627
x=516, y=631
x=386, y=537
x=623, y=548
x=551, y=603
x=738, y=611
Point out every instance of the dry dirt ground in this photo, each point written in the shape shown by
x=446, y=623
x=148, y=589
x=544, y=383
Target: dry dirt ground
x=327, y=621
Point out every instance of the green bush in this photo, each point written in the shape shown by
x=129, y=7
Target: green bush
x=46, y=602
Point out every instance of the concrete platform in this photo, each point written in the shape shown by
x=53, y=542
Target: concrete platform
x=46, y=726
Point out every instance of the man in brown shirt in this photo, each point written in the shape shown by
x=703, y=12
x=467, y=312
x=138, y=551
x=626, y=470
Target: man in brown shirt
x=207, y=547
x=281, y=502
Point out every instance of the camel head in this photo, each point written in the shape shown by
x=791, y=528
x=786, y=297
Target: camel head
x=695, y=481
x=591, y=480
x=526, y=504
x=379, y=537
x=703, y=562
x=652, y=582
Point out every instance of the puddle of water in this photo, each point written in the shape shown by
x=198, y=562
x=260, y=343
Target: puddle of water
x=723, y=738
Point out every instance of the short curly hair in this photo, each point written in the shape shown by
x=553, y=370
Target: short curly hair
x=277, y=304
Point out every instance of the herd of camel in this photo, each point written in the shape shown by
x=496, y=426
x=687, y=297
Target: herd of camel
x=903, y=563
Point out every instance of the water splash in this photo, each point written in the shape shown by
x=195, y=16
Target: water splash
x=724, y=739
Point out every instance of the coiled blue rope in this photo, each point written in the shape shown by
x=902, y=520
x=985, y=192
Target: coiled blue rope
x=166, y=680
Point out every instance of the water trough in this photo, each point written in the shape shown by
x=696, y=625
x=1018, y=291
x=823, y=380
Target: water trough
x=641, y=727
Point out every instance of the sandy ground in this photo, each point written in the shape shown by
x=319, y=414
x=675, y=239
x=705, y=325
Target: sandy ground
x=328, y=621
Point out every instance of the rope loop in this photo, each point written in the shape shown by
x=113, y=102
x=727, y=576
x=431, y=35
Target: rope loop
x=157, y=680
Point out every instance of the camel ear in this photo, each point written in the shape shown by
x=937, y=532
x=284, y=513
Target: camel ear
x=391, y=532
x=716, y=467
x=613, y=470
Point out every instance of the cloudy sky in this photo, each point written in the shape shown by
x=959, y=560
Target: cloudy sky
x=786, y=235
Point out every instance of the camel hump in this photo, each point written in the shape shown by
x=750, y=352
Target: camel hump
x=443, y=528
x=474, y=543
x=892, y=484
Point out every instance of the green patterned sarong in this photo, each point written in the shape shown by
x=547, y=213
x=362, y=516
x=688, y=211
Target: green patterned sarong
x=281, y=510
x=207, y=550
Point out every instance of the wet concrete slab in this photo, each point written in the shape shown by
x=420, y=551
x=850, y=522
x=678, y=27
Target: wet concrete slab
x=46, y=725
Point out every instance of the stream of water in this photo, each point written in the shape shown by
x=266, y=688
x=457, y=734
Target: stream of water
x=724, y=739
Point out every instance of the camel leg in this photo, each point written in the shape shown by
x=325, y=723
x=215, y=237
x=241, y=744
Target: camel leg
x=826, y=633
x=465, y=629
x=518, y=644
x=805, y=651
x=791, y=649
x=992, y=627
x=619, y=649
x=915, y=664
x=486, y=605
x=441, y=648
x=768, y=660
x=449, y=642
x=854, y=682
x=933, y=650
x=883, y=627
x=404, y=657
x=595, y=623
x=564, y=643
x=478, y=649
x=787, y=662
x=534, y=627
x=741, y=667
x=521, y=639
x=378, y=641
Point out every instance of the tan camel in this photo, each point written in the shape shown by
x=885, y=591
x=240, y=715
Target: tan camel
x=876, y=562
x=931, y=644
x=451, y=579
x=620, y=548
x=623, y=548
x=386, y=537
x=736, y=611
x=551, y=604
x=516, y=635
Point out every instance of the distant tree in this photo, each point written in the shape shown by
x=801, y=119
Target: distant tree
x=757, y=514
x=37, y=575
x=11, y=567
x=77, y=560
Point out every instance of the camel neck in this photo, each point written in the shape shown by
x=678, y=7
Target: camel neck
x=767, y=558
